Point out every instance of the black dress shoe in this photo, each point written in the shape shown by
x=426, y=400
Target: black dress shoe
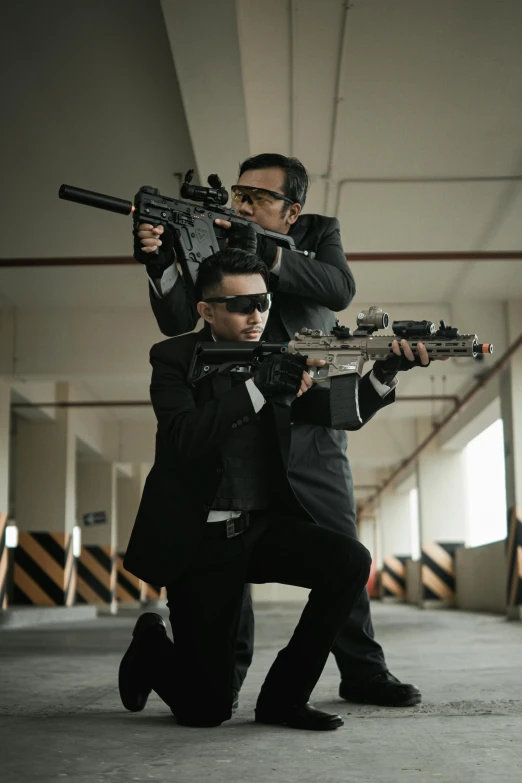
x=302, y=716
x=383, y=689
x=132, y=679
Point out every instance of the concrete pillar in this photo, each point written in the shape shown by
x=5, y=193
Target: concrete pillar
x=396, y=543
x=442, y=512
x=96, y=500
x=44, y=569
x=511, y=407
x=129, y=587
x=130, y=490
x=5, y=400
x=5, y=422
x=4, y=564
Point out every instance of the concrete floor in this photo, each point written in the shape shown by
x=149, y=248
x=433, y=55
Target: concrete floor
x=60, y=715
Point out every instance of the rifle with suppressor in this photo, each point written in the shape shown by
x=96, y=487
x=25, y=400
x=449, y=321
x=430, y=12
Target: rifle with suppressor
x=344, y=353
x=194, y=233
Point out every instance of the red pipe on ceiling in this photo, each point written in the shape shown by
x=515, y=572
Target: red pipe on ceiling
x=493, y=255
x=146, y=403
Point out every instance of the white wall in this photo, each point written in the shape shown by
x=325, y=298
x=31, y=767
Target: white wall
x=45, y=475
x=481, y=578
x=395, y=521
x=442, y=493
x=94, y=102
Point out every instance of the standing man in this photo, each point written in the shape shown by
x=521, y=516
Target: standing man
x=271, y=191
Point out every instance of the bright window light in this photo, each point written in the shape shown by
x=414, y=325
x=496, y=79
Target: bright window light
x=11, y=536
x=77, y=541
x=486, y=479
x=414, y=524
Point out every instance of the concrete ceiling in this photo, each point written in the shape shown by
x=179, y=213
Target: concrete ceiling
x=408, y=115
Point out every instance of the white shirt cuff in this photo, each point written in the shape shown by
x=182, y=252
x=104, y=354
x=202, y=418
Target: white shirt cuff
x=162, y=286
x=276, y=270
x=383, y=389
x=255, y=395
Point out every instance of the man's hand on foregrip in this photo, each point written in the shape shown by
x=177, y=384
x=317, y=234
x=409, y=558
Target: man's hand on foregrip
x=280, y=374
x=402, y=360
x=147, y=240
x=247, y=238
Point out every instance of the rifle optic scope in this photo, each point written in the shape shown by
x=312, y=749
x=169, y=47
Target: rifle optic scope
x=215, y=195
x=407, y=329
x=374, y=317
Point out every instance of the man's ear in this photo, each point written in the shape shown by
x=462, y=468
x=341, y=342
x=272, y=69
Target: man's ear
x=205, y=311
x=293, y=213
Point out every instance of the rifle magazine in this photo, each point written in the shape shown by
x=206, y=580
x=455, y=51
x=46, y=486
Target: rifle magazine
x=344, y=402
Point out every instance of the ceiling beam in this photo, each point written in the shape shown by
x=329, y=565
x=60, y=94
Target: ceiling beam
x=204, y=41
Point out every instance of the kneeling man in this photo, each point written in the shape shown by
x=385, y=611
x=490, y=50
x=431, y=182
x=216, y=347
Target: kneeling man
x=217, y=512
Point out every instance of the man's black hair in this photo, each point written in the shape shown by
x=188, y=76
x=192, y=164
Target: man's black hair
x=231, y=261
x=297, y=180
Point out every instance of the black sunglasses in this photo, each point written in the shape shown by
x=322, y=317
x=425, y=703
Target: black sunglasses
x=244, y=303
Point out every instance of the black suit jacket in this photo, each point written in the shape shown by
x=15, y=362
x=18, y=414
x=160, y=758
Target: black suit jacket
x=192, y=426
x=309, y=290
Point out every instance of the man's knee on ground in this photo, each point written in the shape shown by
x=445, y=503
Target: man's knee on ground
x=202, y=719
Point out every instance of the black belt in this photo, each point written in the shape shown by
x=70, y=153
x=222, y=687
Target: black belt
x=228, y=528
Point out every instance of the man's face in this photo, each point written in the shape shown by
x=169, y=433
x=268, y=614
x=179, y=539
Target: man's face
x=237, y=327
x=270, y=213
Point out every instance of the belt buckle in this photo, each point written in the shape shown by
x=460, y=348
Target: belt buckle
x=231, y=528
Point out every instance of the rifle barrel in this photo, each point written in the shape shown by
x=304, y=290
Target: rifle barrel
x=99, y=200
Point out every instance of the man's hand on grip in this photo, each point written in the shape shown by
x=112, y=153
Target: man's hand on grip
x=147, y=240
x=247, y=238
x=284, y=374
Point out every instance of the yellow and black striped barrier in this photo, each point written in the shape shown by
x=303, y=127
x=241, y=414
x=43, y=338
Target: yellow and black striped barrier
x=152, y=593
x=514, y=558
x=438, y=572
x=44, y=569
x=393, y=577
x=4, y=562
x=96, y=583
x=128, y=586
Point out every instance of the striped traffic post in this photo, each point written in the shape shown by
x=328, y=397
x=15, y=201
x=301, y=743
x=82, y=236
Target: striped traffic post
x=438, y=573
x=514, y=560
x=128, y=586
x=393, y=578
x=96, y=575
x=44, y=569
x=4, y=562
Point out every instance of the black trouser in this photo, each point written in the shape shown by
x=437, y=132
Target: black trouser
x=356, y=652
x=195, y=675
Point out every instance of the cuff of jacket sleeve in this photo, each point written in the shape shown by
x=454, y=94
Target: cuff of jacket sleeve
x=276, y=269
x=166, y=282
x=383, y=389
x=255, y=395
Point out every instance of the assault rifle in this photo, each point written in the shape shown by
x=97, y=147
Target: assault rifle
x=194, y=233
x=344, y=353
